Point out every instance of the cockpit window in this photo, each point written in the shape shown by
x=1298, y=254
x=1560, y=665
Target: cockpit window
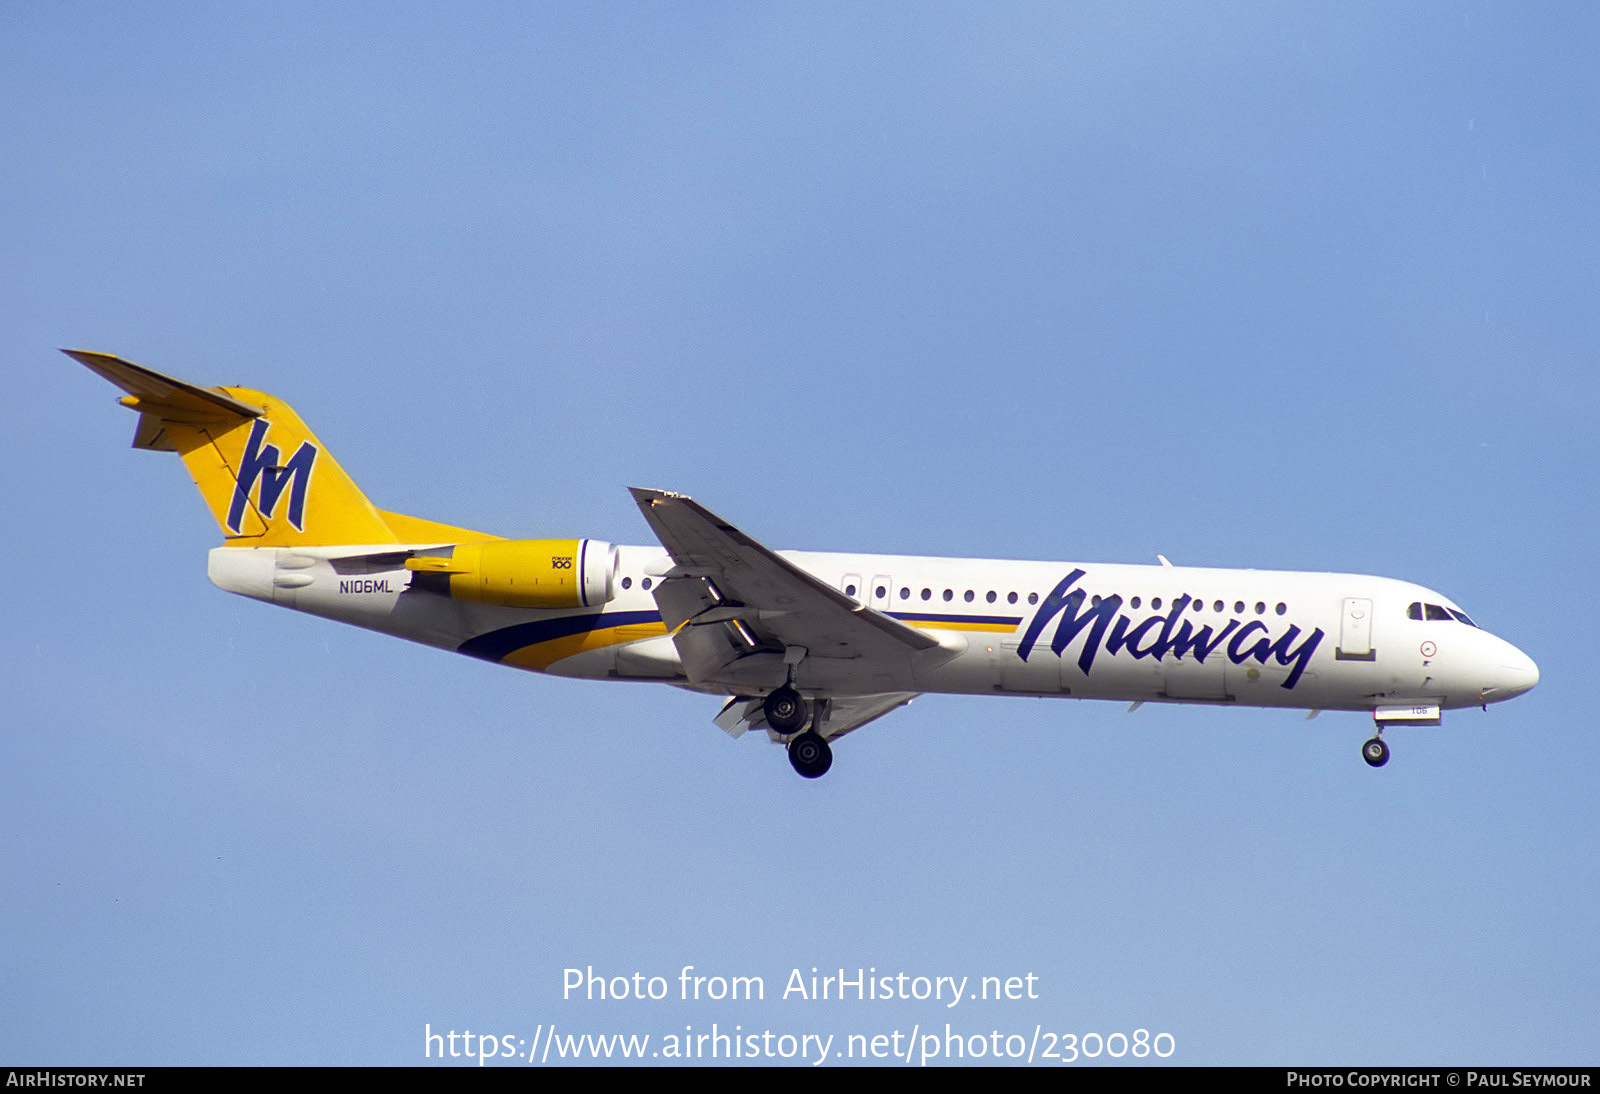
x=1436, y=613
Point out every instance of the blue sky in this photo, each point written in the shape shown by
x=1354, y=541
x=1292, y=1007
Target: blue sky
x=1306, y=287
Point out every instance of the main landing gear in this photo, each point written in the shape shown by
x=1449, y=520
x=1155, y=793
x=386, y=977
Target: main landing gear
x=810, y=755
x=786, y=713
x=1375, y=752
x=785, y=710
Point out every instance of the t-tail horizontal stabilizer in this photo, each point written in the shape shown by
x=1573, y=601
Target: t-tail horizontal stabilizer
x=267, y=479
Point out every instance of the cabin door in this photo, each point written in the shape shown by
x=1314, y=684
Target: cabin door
x=1355, y=631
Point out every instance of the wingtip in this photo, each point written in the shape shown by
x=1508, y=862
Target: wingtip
x=642, y=494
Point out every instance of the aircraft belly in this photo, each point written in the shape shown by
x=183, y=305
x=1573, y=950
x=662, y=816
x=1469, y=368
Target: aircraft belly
x=591, y=664
x=973, y=672
x=1255, y=685
x=1120, y=677
x=1127, y=678
x=1188, y=679
x=855, y=675
x=1036, y=676
x=651, y=659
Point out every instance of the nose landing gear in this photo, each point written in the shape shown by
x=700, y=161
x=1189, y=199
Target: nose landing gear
x=1375, y=752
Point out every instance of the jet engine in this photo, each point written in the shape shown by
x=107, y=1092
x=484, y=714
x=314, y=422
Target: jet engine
x=522, y=573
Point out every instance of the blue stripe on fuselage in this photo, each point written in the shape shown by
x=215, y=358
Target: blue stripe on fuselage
x=496, y=645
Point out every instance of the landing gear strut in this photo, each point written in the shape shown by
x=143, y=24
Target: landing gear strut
x=1375, y=752
x=810, y=755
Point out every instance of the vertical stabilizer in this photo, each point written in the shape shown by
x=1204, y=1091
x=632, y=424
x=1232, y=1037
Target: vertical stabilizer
x=267, y=479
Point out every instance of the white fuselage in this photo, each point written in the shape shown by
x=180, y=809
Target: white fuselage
x=1085, y=630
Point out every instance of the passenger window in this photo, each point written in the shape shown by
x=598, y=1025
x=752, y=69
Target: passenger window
x=645, y=584
x=968, y=596
x=1282, y=608
x=1033, y=598
x=1261, y=608
x=949, y=596
x=1217, y=607
x=1238, y=607
x=1134, y=603
x=1011, y=598
x=905, y=594
x=927, y=594
x=849, y=590
x=1155, y=605
x=990, y=597
x=627, y=583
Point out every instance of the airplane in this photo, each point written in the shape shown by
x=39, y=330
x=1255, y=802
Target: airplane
x=805, y=646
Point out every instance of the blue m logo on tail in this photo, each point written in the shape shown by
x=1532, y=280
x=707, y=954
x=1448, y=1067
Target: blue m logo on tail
x=263, y=462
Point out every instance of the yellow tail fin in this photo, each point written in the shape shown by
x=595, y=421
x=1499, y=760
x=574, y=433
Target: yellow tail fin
x=267, y=479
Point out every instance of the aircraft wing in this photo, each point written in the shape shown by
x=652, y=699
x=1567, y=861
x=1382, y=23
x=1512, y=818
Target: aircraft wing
x=736, y=608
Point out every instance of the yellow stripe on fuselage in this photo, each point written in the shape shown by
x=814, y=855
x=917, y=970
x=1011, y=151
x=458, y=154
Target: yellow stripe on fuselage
x=541, y=655
x=958, y=625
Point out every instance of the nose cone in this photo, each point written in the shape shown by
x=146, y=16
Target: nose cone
x=1515, y=674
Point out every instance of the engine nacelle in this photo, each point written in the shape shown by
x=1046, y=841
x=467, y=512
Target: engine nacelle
x=523, y=573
